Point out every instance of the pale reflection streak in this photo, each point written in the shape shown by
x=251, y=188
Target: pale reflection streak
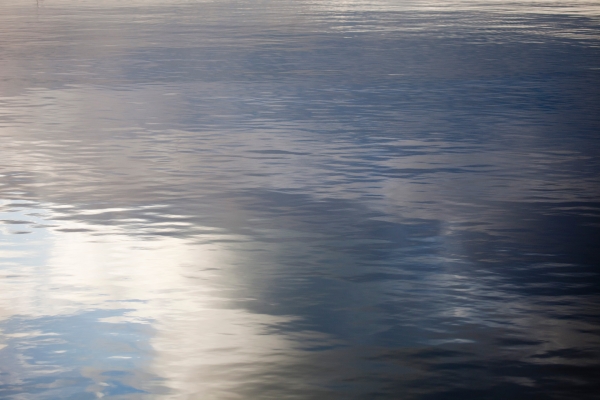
x=581, y=7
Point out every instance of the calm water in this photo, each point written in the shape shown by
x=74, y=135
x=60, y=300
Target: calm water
x=299, y=199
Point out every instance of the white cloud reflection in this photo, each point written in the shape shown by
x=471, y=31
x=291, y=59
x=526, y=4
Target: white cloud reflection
x=185, y=288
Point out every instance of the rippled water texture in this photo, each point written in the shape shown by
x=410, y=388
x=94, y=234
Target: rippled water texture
x=308, y=199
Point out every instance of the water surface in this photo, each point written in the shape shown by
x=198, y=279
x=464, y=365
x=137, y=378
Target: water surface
x=299, y=199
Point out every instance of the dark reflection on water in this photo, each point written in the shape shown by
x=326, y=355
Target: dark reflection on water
x=296, y=199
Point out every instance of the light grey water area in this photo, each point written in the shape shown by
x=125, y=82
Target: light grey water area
x=299, y=199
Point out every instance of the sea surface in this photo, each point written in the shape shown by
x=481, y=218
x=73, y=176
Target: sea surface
x=300, y=199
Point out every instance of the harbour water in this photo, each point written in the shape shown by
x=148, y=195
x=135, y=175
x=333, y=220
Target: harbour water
x=299, y=199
